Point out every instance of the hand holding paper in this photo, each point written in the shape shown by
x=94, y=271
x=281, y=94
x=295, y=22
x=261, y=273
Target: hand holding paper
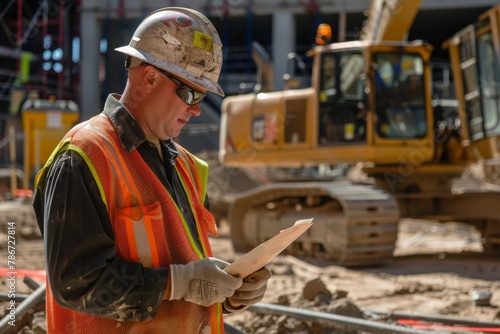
x=251, y=291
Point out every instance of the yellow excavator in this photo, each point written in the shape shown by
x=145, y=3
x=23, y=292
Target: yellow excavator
x=370, y=106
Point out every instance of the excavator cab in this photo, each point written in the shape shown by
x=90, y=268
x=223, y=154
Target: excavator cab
x=393, y=84
x=369, y=102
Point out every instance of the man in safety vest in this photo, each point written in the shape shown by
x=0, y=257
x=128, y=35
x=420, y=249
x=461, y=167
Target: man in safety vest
x=123, y=209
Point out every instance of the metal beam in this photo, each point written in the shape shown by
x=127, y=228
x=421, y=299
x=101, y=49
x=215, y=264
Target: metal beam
x=136, y=9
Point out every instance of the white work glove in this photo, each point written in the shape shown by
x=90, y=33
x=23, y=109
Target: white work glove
x=251, y=291
x=203, y=282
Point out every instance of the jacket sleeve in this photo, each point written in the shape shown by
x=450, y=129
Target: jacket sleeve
x=83, y=270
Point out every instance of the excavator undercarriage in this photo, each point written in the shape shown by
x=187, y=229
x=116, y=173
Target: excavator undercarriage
x=355, y=224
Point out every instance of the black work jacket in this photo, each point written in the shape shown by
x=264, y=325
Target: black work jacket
x=78, y=236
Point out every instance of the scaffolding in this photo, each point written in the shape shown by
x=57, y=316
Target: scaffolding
x=37, y=63
x=36, y=50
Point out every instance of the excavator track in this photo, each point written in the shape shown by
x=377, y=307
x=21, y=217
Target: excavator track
x=354, y=224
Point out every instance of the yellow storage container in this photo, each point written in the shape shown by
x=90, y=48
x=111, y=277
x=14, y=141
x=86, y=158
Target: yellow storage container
x=45, y=122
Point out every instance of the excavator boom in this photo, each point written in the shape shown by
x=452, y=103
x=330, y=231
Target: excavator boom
x=390, y=20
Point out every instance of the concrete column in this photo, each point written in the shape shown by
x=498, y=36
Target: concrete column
x=283, y=43
x=90, y=96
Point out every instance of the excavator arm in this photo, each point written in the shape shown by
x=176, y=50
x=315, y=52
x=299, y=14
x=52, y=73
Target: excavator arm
x=390, y=20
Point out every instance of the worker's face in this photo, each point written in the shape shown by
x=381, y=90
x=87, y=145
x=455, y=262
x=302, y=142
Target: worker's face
x=169, y=113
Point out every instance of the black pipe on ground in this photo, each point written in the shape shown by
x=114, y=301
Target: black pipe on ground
x=334, y=319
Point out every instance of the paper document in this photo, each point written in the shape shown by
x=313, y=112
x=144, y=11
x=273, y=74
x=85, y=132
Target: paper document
x=268, y=250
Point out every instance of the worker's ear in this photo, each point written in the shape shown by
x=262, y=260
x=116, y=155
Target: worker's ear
x=150, y=77
x=145, y=76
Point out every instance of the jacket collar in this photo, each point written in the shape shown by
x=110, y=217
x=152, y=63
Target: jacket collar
x=129, y=131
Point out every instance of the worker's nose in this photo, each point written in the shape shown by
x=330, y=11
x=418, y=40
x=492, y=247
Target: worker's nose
x=195, y=110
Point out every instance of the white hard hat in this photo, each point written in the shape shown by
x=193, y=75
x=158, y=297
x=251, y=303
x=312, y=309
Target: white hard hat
x=181, y=41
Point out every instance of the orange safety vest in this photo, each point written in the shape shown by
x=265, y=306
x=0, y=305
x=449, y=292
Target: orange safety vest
x=148, y=228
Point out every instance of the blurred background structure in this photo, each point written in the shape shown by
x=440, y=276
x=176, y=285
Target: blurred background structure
x=63, y=49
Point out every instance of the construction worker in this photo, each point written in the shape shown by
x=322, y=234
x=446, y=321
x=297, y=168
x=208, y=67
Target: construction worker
x=123, y=208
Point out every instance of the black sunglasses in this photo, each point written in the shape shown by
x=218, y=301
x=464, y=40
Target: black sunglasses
x=187, y=94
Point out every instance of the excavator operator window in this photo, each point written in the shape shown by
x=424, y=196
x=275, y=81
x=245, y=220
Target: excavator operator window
x=342, y=98
x=400, y=95
x=489, y=74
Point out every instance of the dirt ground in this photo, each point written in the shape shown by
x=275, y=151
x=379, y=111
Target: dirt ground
x=438, y=269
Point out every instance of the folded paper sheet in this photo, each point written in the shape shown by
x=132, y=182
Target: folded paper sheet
x=268, y=250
